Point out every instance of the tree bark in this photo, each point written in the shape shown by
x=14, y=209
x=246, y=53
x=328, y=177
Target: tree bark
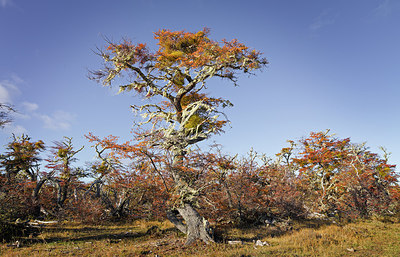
x=172, y=217
x=197, y=227
x=35, y=197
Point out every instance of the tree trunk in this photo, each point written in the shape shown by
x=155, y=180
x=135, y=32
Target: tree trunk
x=197, y=227
x=35, y=197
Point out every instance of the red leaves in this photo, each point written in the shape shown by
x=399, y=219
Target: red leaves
x=321, y=150
x=344, y=174
x=196, y=50
x=185, y=50
x=319, y=173
x=177, y=72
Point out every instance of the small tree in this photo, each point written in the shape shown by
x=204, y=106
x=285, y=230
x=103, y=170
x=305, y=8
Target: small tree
x=344, y=178
x=119, y=187
x=5, y=111
x=22, y=157
x=21, y=165
x=173, y=80
x=65, y=176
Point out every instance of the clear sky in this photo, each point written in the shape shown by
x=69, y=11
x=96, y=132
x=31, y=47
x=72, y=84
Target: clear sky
x=333, y=65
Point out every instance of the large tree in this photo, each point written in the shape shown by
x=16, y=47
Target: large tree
x=173, y=80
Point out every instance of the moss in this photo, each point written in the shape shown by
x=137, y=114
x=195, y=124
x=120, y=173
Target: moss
x=193, y=122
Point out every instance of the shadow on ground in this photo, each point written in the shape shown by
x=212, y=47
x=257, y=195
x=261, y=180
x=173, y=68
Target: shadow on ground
x=100, y=234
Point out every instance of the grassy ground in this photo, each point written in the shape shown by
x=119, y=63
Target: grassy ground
x=366, y=238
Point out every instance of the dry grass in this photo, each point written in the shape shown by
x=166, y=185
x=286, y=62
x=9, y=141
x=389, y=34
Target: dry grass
x=367, y=238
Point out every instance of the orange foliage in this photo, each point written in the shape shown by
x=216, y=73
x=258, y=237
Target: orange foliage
x=196, y=50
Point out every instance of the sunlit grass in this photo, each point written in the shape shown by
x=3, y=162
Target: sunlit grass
x=366, y=238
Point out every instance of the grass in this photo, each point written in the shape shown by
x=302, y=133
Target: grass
x=364, y=238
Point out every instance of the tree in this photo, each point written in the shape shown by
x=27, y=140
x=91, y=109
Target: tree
x=340, y=177
x=22, y=157
x=251, y=189
x=21, y=165
x=64, y=175
x=5, y=110
x=321, y=158
x=119, y=187
x=368, y=181
x=173, y=80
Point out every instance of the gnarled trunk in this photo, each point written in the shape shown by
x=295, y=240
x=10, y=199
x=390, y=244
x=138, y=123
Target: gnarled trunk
x=195, y=226
x=35, y=197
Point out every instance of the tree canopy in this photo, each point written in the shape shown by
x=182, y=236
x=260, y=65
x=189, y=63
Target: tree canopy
x=174, y=77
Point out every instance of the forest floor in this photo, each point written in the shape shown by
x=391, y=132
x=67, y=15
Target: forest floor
x=140, y=238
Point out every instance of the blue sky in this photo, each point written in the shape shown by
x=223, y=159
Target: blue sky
x=333, y=65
